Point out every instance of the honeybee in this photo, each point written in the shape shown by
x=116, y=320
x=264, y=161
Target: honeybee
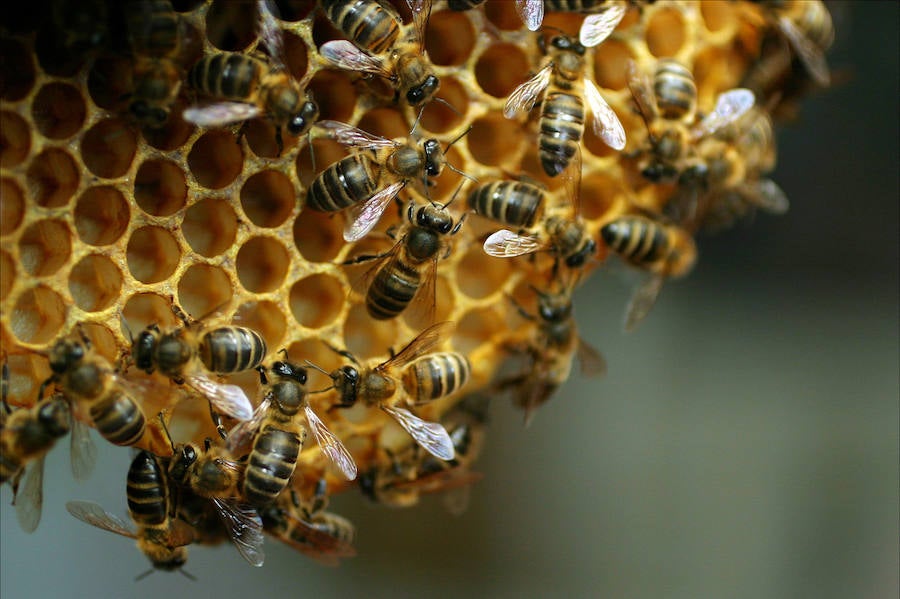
x=551, y=349
x=252, y=86
x=211, y=472
x=366, y=183
x=603, y=16
x=663, y=251
x=155, y=33
x=562, y=110
x=222, y=350
x=514, y=203
x=161, y=537
x=668, y=106
x=808, y=29
x=376, y=47
x=278, y=435
x=409, y=269
x=410, y=377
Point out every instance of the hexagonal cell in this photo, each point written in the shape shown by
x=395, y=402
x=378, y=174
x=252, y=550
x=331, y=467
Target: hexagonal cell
x=611, y=64
x=266, y=319
x=12, y=206
x=599, y=193
x=215, y=159
x=260, y=135
x=152, y=254
x=440, y=117
x=101, y=215
x=16, y=70
x=26, y=373
x=386, y=122
x=108, y=148
x=502, y=68
x=109, y=82
x=204, y=289
x=45, y=247
x=295, y=55
x=476, y=327
x=718, y=15
x=38, y=315
x=449, y=38
x=144, y=309
x=159, y=187
x=95, y=283
x=334, y=93
x=496, y=141
x=7, y=274
x=262, y=263
x=309, y=164
x=174, y=133
x=665, y=33
x=210, y=226
x=58, y=110
x=268, y=198
x=15, y=139
x=427, y=309
x=231, y=26
x=503, y=15
x=318, y=236
x=317, y=300
x=480, y=275
x=314, y=350
x=102, y=340
x=367, y=338
x=52, y=178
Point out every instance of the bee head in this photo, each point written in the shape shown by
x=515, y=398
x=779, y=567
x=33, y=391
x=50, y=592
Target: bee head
x=367, y=481
x=346, y=380
x=184, y=458
x=578, y=259
x=148, y=115
x=289, y=371
x=65, y=354
x=434, y=218
x=304, y=119
x=554, y=308
x=143, y=348
x=567, y=44
x=55, y=417
x=434, y=157
x=423, y=91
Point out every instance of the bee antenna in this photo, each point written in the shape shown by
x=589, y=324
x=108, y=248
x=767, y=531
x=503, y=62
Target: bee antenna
x=416, y=122
x=317, y=367
x=546, y=28
x=187, y=574
x=458, y=137
x=461, y=173
x=126, y=328
x=162, y=421
x=284, y=351
x=144, y=575
x=448, y=105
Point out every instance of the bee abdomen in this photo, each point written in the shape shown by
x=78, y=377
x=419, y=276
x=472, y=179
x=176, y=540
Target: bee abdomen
x=562, y=124
x=118, y=418
x=226, y=75
x=637, y=239
x=392, y=290
x=509, y=202
x=272, y=464
x=343, y=184
x=365, y=22
x=146, y=490
x=232, y=349
x=435, y=376
x=582, y=6
x=676, y=92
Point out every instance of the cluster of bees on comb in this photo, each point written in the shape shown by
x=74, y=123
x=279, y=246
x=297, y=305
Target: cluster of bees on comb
x=285, y=249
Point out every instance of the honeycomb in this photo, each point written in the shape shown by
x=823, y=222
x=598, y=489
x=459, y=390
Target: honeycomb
x=106, y=224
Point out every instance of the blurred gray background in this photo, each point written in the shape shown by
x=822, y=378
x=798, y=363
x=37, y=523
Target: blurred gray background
x=743, y=444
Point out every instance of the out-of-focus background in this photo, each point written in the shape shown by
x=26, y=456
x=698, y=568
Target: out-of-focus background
x=743, y=444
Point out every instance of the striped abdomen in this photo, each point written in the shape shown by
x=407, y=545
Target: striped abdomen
x=118, y=418
x=343, y=184
x=435, y=376
x=639, y=240
x=272, y=464
x=581, y=6
x=154, y=28
x=562, y=125
x=393, y=288
x=227, y=75
x=366, y=23
x=675, y=90
x=147, y=490
x=512, y=203
x=232, y=349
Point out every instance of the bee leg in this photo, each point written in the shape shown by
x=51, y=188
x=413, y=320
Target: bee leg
x=520, y=309
x=217, y=420
x=364, y=258
x=279, y=141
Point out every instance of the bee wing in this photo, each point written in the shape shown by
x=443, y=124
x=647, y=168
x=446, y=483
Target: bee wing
x=506, y=244
x=421, y=11
x=365, y=215
x=269, y=32
x=768, y=195
x=598, y=27
x=531, y=12
x=642, y=301
x=228, y=399
x=93, y=514
x=432, y=436
x=523, y=97
x=353, y=137
x=244, y=527
x=241, y=435
x=29, y=499
x=807, y=51
x=316, y=543
x=220, y=114
x=82, y=450
x=642, y=91
x=592, y=361
x=331, y=445
x=344, y=55
x=730, y=106
x=421, y=345
x=605, y=122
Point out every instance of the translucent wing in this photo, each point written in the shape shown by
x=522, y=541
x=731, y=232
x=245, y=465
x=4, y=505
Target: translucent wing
x=241, y=436
x=770, y=197
x=315, y=542
x=605, y=122
x=421, y=345
x=642, y=301
x=93, y=514
x=82, y=451
x=220, y=114
x=432, y=436
x=269, y=32
x=364, y=216
x=598, y=27
x=30, y=498
x=592, y=361
x=642, y=91
x=353, y=137
x=245, y=529
x=331, y=445
x=730, y=106
x=228, y=399
x=807, y=51
x=523, y=97
x=531, y=12
x=506, y=244
x=421, y=11
x=345, y=55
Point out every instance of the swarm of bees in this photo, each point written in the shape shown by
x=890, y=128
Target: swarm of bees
x=250, y=468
